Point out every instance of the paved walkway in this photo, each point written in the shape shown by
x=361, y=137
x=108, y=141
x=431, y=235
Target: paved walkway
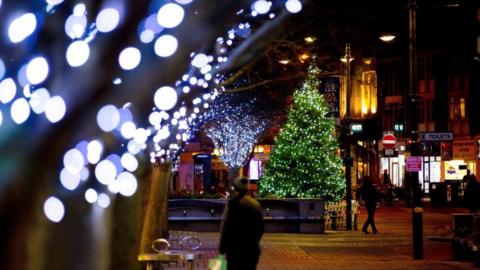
x=390, y=249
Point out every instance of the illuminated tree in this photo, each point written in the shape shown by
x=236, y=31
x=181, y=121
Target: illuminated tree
x=305, y=162
x=233, y=124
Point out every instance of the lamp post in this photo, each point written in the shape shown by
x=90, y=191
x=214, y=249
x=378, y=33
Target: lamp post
x=346, y=131
x=417, y=211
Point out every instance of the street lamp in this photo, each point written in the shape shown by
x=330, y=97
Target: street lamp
x=417, y=212
x=346, y=133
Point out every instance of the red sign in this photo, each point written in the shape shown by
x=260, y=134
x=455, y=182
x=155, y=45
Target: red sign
x=389, y=141
x=414, y=164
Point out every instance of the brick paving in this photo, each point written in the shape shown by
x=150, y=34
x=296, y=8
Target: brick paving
x=340, y=249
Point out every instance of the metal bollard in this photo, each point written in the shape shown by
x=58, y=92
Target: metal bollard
x=417, y=226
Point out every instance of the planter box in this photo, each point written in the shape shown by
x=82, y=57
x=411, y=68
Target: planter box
x=280, y=215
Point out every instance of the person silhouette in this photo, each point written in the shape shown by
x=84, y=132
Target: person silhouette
x=242, y=229
x=369, y=196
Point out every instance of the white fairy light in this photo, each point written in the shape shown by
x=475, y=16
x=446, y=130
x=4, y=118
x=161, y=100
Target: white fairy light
x=53, y=209
x=103, y=200
x=165, y=45
x=105, y=172
x=293, y=6
x=78, y=53
x=129, y=58
x=37, y=70
x=55, y=109
x=20, y=111
x=107, y=20
x=22, y=27
x=8, y=90
x=170, y=15
x=165, y=98
x=69, y=179
x=108, y=118
x=91, y=195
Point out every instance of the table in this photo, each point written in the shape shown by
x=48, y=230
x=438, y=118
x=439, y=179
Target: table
x=169, y=256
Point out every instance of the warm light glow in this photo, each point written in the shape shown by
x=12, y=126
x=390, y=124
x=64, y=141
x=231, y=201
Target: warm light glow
x=344, y=59
x=387, y=38
x=284, y=61
x=310, y=39
x=304, y=57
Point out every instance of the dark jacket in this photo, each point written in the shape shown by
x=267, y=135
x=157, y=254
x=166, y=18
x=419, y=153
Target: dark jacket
x=369, y=194
x=242, y=228
x=472, y=194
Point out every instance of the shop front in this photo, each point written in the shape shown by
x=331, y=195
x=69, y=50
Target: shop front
x=464, y=158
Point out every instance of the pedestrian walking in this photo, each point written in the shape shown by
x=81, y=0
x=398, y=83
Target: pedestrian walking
x=369, y=196
x=242, y=229
x=472, y=194
x=386, y=177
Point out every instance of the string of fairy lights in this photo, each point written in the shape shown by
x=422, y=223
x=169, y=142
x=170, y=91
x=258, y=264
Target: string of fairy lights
x=24, y=88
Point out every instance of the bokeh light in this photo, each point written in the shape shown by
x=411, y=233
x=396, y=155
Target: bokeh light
x=129, y=58
x=184, y=2
x=91, y=195
x=54, y=2
x=129, y=162
x=53, y=209
x=38, y=100
x=166, y=45
x=261, y=6
x=69, y=179
x=105, y=172
x=165, y=98
x=293, y=6
x=127, y=183
x=107, y=20
x=128, y=130
x=103, y=200
x=200, y=60
x=37, y=70
x=78, y=53
x=170, y=15
x=20, y=111
x=115, y=159
x=133, y=147
x=22, y=27
x=108, y=118
x=2, y=69
x=147, y=36
x=76, y=23
x=8, y=90
x=73, y=160
x=55, y=109
x=94, y=151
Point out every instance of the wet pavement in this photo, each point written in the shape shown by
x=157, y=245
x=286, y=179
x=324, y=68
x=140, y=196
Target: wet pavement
x=341, y=249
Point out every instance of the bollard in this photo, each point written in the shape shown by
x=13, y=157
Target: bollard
x=417, y=233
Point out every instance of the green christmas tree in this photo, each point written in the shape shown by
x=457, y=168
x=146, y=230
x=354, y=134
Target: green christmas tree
x=305, y=162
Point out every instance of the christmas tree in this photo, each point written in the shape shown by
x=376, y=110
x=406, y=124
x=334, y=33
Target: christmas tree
x=305, y=162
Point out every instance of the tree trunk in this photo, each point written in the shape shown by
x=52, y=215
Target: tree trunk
x=155, y=219
x=232, y=174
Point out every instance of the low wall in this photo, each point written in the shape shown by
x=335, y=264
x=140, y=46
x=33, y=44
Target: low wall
x=280, y=215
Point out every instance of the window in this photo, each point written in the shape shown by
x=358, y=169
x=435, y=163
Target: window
x=457, y=110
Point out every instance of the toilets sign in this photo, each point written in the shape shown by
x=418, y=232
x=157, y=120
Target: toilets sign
x=445, y=136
